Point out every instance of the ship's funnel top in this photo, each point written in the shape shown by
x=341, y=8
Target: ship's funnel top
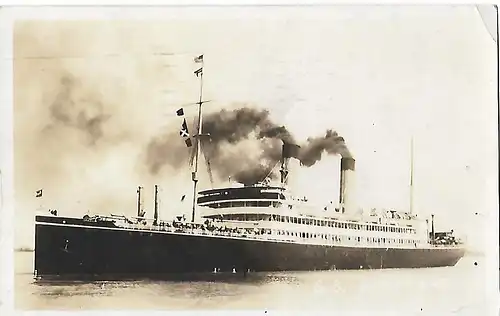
x=347, y=163
x=290, y=150
x=347, y=187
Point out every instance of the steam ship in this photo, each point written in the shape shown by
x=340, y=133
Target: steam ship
x=248, y=228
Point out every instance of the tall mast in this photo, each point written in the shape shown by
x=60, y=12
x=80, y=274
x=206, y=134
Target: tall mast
x=139, y=202
x=411, y=176
x=198, y=73
x=155, y=222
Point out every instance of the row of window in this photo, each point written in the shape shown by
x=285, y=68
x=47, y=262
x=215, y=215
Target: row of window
x=319, y=222
x=262, y=203
x=337, y=238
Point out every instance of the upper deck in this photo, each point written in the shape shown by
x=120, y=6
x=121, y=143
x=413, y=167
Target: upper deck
x=225, y=197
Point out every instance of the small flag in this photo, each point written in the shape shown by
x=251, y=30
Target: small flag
x=39, y=193
x=180, y=112
x=199, y=72
x=183, y=197
x=198, y=59
x=184, y=129
x=188, y=142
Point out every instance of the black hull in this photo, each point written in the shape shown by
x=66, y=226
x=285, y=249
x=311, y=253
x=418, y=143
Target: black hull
x=76, y=251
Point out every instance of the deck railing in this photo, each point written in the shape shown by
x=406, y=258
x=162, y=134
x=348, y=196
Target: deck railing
x=266, y=235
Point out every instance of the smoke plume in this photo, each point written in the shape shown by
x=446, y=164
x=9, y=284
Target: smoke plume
x=244, y=144
x=75, y=108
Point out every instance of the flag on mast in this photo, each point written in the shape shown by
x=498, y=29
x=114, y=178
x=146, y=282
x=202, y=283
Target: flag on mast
x=199, y=72
x=185, y=134
x=39, y=193
x=198, y=59
x=180, y=112
x=184, y=129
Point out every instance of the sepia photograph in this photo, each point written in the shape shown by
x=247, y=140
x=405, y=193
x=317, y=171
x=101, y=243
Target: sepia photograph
x=269, y=158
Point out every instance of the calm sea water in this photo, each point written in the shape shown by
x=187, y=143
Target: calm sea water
x=461, y=289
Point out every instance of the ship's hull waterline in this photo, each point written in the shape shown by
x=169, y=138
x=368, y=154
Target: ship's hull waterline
x=71, y=250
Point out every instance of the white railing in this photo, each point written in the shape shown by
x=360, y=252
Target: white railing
x=272, y=235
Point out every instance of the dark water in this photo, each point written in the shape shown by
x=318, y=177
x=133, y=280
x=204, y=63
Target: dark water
x=461, y=289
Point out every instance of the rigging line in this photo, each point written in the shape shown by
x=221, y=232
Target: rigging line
x=272, y=169
x=185, y=105
x=207, y=162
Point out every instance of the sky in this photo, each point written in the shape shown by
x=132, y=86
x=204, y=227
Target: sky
x=89, y=95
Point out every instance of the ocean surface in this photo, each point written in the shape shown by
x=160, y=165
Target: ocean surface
x=461, y=289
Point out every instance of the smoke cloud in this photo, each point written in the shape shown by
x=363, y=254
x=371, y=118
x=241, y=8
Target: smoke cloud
x=75, y=108
x=244, y=144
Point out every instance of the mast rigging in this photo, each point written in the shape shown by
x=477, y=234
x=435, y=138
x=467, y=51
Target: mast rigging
x=197, y=137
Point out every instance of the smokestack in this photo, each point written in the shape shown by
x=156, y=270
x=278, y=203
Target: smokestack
x=155, y=221
x=140, y=210
x=288, y=151
x=346, y=198
x=433, y=235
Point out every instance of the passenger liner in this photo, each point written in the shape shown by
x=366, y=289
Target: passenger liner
x=254, y=228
